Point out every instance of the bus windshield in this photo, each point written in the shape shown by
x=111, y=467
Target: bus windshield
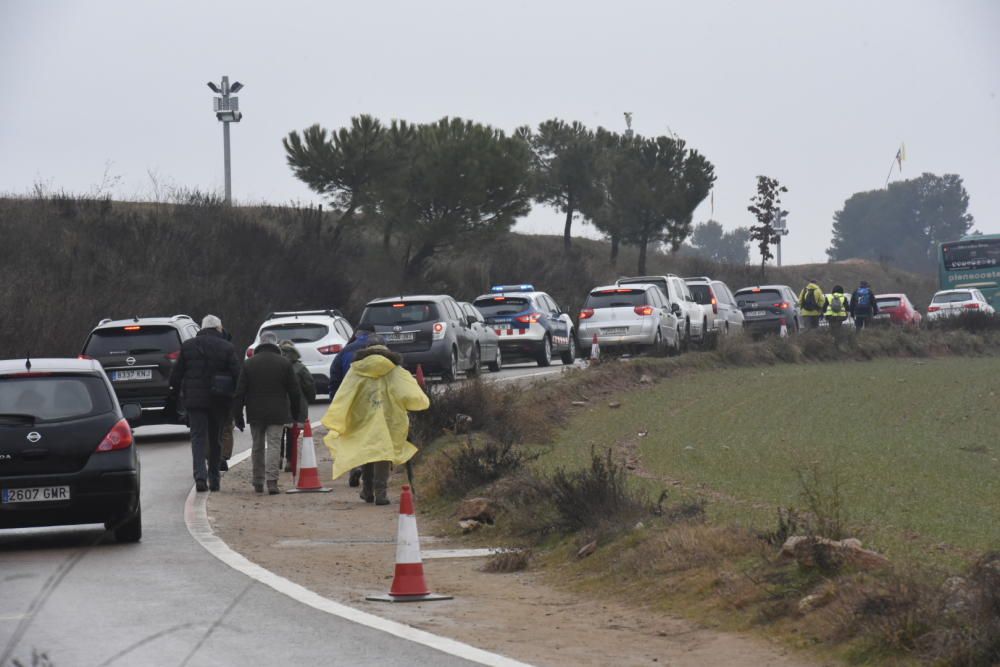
x=973, y=262
x=966, y=255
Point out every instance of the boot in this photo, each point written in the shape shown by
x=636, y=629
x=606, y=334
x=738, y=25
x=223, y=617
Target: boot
x=258, y=488
x=223, y=465
x=382, y=499
x=272, y=487
x=367, y=495
x=200, y=485
x=354, y=480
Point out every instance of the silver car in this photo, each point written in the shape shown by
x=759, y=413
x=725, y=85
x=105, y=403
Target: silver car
x=635, y=315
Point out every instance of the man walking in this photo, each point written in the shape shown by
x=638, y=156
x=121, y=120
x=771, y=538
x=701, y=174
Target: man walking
x=837, y=307
x=338, y=370
x=308, y=388
x=204, y=378
x=812, y=303
x=269, y=391
x=863, y=305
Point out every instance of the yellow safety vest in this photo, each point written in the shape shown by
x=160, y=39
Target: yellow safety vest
x=845, y=305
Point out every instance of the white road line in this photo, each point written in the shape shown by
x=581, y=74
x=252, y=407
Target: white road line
x=196, y=519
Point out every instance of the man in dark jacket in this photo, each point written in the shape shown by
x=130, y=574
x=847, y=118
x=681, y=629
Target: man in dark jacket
x=204, y=378
x=308, y=388
x=269, y=391
x=863, y=305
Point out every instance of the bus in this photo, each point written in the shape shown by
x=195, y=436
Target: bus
x=972, y=261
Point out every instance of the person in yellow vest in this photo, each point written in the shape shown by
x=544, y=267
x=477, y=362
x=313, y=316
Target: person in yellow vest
x=812, y=304
x=368, y=420
x=838, y=307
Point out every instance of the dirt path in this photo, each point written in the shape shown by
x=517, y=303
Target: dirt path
x=342, y=548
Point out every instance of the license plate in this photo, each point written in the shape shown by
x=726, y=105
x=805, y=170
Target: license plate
x=400, y=337
x=132, y=375
x=883, y=316
x=615, y=331
x=36, y=494
x=756, y=313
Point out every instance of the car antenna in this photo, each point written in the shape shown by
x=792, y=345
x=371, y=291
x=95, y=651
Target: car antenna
x=27, y=362
x=135, y=318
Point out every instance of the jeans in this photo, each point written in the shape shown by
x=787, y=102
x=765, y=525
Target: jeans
x=206, y=434
x=266, y=452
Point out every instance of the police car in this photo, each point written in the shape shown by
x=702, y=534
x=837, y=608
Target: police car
x=530, y=324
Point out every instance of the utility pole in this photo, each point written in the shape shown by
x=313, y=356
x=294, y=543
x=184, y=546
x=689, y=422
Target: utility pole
x=227, y=110
x=628, y=124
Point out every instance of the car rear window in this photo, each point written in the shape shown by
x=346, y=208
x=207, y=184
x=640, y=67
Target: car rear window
x=751, y=297
x=502, y=305
x=48, y=398
x=952, y=297
x=617, y=298
x=132, y=339
x=702, y=294
x=889, y=303
x=298, y=332
x=402, y=312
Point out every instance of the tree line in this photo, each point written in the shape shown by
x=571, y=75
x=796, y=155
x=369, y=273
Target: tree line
x=427, y=187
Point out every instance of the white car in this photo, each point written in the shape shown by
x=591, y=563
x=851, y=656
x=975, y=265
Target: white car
x=950, y=302
x=631, y=316
x=319, y=335
x=721, y=314
x=681, y=302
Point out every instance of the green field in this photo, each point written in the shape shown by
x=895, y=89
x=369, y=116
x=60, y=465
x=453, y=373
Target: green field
x=916, y=445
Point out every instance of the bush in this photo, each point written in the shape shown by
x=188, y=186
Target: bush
x=476, y=465
x=973, y=321
x=598, y=496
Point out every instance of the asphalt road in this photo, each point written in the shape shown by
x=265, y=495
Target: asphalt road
x=82, y=599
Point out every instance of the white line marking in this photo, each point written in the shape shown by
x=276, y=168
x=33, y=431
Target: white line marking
x=196, y=519
x=430, y=554
x=12, y=617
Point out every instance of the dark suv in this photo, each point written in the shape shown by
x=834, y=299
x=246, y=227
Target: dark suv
x=138, y=355
x=429, y=330
x=766, y=307
x=66, y=449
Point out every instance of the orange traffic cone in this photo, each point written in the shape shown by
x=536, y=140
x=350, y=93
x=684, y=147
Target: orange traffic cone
x=408, y=584
x=307, y=480
x=421, y=380
x=595, y=350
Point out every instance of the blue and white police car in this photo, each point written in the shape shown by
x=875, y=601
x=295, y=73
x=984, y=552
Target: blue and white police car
x=530, y=324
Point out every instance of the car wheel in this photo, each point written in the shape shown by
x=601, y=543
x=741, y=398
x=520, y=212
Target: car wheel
x=545, y=356
x=497, y=364
x=657, y=347
x=569, y=356
x=476, y=362
x=686, y=338
x=451, y=373
x=130, y=530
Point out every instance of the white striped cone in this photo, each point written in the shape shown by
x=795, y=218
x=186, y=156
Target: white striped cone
x=595, y=349
x=408, y=583
x=307, y=475
x=783, y=332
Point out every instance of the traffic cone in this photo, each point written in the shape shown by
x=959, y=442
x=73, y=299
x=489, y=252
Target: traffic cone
x=421, y=380
x=595, y=350
x=408, y=583
x=784, y=328
x=307, y=480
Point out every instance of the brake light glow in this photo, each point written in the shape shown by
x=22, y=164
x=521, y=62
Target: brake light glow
x=933, y=309
x=132, y=328
x=249, y=351
x=119, y=437
x=643, y=310
x=499, y=298
x=972, y=306
x=439, y=330
x=84, y=356
x=530, y=318
x=399, y=305
x=174, y=356
x=586, y=313
x=715, y=302
x=783, y=305
x=331, y=349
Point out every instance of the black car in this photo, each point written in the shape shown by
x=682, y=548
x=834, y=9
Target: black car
x=430, y=331
x=530, y=324
x=66, y=449
x=767, y=307
x=138, y=355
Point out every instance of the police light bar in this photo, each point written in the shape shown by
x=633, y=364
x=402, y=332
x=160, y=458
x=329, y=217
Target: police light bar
x=497, y=289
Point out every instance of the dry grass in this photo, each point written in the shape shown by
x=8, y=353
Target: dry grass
x=508, y=560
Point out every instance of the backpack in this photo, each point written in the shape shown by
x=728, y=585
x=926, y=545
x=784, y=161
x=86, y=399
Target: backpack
x=809, y=300
x=864, y=297
x=837, y=304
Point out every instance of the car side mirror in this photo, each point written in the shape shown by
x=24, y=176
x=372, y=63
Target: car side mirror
x=132, y=413
x=471, y=319
x=675, y=308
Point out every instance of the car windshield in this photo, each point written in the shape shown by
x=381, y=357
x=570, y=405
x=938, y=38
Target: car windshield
x=701, y=293
x=617, y=298
x=44, y=398
x=491, y=306
x=952, y=297
x=298, y=332
x=889, y=302
x=758, y=297
x=403, y=312
x=132, y=339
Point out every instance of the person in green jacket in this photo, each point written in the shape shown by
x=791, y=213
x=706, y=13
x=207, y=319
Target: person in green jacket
x=812, y=304
x=308, y=387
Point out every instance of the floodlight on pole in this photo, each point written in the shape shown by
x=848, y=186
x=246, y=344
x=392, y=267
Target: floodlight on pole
x=227, y=110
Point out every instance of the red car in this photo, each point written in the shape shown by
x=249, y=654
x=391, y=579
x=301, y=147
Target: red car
x=897, y=309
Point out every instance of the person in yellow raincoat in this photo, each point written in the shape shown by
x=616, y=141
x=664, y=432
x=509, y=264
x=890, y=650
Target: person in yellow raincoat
x=368, y=420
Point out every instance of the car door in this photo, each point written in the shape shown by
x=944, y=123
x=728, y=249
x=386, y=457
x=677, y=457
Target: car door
x=560, y=330
x=664, y=320
x=464, y=335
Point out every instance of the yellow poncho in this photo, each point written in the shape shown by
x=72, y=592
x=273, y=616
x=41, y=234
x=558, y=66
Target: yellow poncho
x=368, y=420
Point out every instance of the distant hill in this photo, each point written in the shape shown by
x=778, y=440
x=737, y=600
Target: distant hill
x=65, y=263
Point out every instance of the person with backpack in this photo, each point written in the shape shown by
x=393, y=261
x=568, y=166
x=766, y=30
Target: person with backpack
x=338, y=369
x=308, y=388
x=812, y=303
x=863, y=305
x=837, y=307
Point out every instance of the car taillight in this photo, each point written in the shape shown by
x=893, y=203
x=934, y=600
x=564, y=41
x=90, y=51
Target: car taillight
x=439, y=330
x=933, y=309
x=249, y=351
x=84, y=356
x=529, y=318
x=586, y=313
x=331, y=349
x=174, y=356
x=972, y=306
x=715, y=303
x=643, y=310
x=119, y=437
x=783, y=305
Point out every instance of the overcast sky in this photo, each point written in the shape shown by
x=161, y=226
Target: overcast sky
x=816, y=94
